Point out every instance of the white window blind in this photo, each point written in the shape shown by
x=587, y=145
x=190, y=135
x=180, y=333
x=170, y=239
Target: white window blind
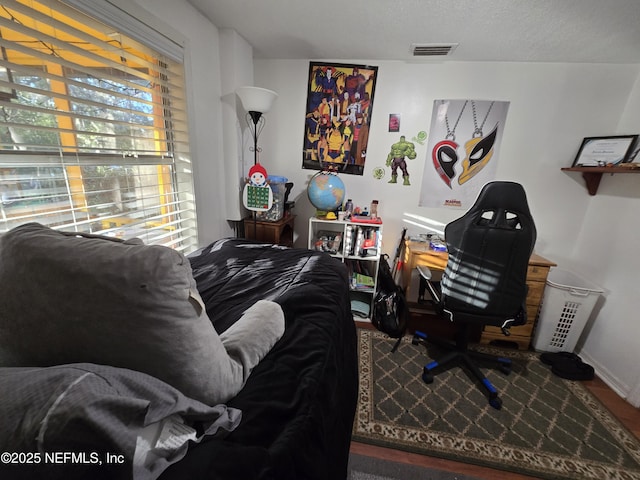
x=93, y=129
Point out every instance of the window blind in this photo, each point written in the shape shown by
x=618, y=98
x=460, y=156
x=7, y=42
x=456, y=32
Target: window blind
x=111, y=13
x=93, y=129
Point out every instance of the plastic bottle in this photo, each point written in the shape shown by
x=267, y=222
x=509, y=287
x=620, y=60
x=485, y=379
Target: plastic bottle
x=374, y=209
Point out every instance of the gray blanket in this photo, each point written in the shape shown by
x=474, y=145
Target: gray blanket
x=93, y=421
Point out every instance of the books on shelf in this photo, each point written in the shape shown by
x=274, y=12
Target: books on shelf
x=358, y=241
x=361, y=274
x=358, y=246
x=361, y=281
x=362, y=241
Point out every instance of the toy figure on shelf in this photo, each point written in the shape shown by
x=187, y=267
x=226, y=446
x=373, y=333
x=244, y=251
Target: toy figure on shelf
x=396, y=160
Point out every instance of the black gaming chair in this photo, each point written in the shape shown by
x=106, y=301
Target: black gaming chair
x=484, y=280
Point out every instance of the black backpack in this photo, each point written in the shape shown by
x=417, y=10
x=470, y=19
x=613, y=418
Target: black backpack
x=390, y=311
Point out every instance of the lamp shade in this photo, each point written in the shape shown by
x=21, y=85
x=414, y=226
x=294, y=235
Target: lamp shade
x=256, y=99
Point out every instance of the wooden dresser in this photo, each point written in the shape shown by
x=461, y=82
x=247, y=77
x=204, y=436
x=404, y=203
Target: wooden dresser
x=418, y=253
x=536, y=280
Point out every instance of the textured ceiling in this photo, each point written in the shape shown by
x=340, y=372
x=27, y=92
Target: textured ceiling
x=592, y=31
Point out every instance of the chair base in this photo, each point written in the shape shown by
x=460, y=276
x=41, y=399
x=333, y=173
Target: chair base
x=459, y=351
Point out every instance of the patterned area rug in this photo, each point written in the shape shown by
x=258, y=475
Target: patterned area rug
x=548, y=427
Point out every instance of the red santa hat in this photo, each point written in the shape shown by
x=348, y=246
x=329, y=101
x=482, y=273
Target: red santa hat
x=257, y=168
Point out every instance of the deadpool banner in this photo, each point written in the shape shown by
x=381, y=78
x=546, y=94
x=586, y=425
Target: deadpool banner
x=462, y=154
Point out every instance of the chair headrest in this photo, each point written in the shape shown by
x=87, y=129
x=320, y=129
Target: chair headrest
x=502, y=195
x=501, y=205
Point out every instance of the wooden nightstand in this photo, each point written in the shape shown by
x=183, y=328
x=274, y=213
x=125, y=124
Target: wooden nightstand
x=280, y=232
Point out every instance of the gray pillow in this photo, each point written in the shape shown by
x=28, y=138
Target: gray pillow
x=68, y=298
x=118, y=423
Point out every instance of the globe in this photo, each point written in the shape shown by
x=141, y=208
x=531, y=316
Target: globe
x=326, y=191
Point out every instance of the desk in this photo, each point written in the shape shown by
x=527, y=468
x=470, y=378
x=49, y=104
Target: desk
x=419, y=253
x=280, y=232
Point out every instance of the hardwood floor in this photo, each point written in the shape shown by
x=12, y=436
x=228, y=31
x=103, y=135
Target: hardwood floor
x=626, y=413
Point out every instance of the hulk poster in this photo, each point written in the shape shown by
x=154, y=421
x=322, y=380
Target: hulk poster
x=337, y=118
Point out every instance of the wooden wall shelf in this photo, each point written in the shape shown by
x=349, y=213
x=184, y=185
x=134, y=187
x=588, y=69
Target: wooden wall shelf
x=278, y=233
x=593, y=175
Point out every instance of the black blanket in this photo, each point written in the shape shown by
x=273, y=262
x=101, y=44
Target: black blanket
x=298, y=404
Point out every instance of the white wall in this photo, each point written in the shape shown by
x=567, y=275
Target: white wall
x=608, y=240
x=202, y=68
x=236, y=60
x=553, y=107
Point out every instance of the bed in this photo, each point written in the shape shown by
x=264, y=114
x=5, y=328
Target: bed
x=299, y=402
x=291, y=419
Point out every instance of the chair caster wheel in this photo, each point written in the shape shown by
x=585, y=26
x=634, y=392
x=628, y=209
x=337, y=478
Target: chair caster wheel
x=496, y=403
x=506, y=369
x=415, y=340
x=427, y=377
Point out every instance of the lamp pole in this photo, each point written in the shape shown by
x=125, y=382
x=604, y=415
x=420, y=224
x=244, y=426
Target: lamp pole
x=256, y=101
x=255, y=121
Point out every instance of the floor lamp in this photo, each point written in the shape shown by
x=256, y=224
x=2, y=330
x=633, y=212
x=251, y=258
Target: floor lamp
x=256, y=101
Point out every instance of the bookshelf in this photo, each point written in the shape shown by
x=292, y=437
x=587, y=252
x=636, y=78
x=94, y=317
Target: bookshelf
x=358, y=246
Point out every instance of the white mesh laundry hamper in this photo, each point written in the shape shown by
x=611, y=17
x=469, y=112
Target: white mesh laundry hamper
x=566, y=306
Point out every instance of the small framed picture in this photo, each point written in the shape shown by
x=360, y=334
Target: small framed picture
x=603, y=151
x=394, y=122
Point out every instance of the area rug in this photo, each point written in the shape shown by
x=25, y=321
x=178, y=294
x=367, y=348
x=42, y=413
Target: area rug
x=548, y=427
x=362, y=467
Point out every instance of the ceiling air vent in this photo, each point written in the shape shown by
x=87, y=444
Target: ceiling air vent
x=432, y=49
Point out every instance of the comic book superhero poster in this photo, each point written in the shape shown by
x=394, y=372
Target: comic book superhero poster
x=338, y=115
x=462, y=153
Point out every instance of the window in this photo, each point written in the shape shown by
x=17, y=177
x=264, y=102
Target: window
x=93, y=129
